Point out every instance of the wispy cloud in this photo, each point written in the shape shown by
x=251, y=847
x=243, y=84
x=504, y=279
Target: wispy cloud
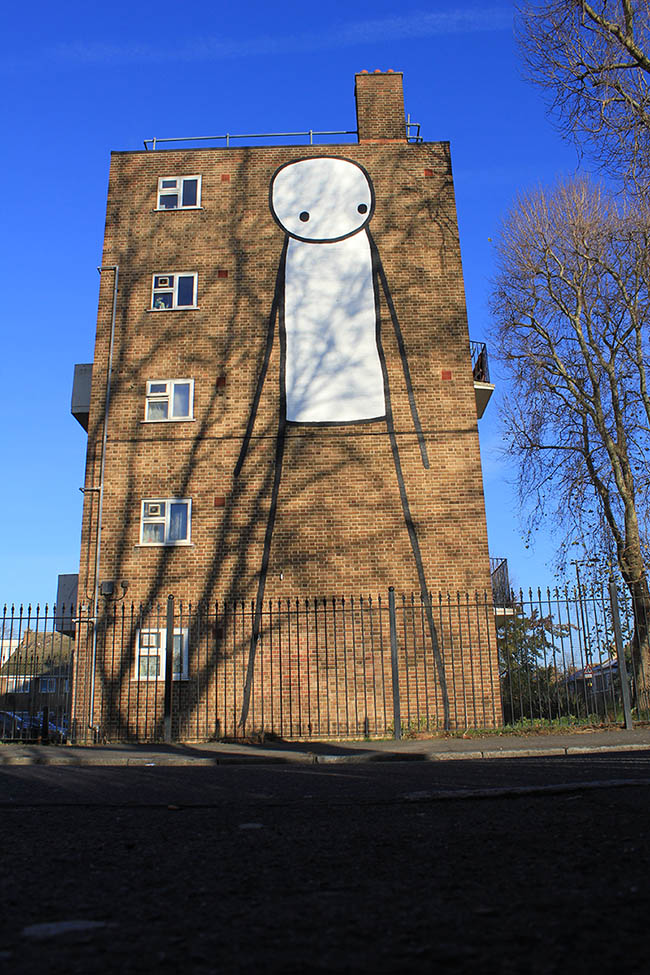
x=409, y=27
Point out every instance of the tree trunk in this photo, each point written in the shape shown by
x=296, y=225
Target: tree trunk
x=641, y=642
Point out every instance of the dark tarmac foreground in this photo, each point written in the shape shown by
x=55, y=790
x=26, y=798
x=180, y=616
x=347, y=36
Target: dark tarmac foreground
x=525, y=865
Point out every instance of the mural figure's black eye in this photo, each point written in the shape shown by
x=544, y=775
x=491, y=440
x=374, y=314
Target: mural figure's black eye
x=304, y=216
x=362, y=208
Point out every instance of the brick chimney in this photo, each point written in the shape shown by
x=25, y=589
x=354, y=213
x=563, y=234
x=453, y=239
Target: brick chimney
x=380, y=106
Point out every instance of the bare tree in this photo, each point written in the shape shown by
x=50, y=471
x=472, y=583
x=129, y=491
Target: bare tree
x=571, y=304
x=593, y=61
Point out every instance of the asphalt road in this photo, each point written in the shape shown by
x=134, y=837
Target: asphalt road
x=526, y=865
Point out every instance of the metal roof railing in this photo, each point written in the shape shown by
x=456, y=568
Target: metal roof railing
x=412, y=135
x=229, y=136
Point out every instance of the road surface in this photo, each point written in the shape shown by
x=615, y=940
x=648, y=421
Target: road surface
x=527, y=865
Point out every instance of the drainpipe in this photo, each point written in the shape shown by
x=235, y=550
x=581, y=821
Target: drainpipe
x=115, y=268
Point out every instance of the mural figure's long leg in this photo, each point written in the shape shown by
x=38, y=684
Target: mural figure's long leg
x=408, y=518
x=261, y=585
x=278, y=310
x=424, y=589
x=381, y=275
x=275, y=309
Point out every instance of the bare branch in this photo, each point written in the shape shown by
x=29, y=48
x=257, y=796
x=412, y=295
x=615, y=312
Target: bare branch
x=592, y=59
x=571, y=304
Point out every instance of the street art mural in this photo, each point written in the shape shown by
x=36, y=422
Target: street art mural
x=327, y=311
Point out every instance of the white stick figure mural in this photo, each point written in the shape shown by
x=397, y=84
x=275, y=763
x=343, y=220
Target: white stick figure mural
x=327, y=306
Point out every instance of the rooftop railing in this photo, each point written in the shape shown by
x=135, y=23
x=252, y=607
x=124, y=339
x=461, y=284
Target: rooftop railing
x=412, y=135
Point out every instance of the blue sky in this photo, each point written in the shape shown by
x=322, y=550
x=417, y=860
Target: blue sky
x=81, y=80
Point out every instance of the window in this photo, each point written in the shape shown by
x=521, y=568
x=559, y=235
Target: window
x=169, y=399
x=165, y=521
x=48, y=685
x=152, y=646
x=179, y=192
x=18, y=685
x=173, y=291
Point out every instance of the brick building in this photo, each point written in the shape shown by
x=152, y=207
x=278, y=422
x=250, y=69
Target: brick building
x=283, y=405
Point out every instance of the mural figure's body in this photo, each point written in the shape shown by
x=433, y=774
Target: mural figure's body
x=333, y=372
x=327, y=303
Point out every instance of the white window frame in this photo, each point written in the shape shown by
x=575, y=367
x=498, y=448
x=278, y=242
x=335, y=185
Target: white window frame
x=147, y=517
x=182, y=673
x=167, y=396
x=178, y=191
x=18, y=684
x=47, y=685
x=172, y=289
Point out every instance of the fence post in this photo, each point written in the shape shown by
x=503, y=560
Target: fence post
x=620, y=654
x=169, y=667
x=45, y=725
x=397, y=716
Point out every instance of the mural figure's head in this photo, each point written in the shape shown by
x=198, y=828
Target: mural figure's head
x=323, y=199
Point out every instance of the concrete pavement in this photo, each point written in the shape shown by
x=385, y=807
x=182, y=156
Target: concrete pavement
x=317, y=752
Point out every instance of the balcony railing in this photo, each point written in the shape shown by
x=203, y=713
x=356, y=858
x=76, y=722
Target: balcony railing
x=501, y=591
x=480, y=365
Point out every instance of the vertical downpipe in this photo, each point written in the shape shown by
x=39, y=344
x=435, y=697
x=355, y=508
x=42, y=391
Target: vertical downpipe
x=91, y=708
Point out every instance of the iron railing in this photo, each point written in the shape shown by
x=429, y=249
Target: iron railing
x=324, y=668
x=230, y=137
x=36, y=666
x=559, y=661
x=412, y=135
x=501, y=591
x=480, y=364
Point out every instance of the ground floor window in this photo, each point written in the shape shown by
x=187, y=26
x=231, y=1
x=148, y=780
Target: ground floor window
x=151, y=651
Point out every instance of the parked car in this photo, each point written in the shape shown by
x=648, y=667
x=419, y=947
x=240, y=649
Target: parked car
x=28, y=726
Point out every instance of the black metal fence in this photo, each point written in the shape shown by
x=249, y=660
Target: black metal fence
x=36, y=662
x=326, y=668
x=558, y=656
